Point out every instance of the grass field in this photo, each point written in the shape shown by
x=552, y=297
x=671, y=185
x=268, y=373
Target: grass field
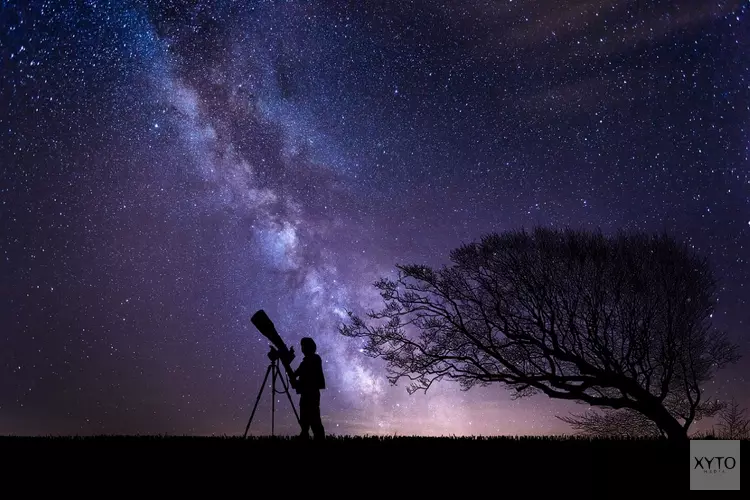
x=586, y=467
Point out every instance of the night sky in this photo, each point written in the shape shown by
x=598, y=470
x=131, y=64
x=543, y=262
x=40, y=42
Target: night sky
x=167, y=169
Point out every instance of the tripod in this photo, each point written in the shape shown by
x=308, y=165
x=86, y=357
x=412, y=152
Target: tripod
x=275, y=372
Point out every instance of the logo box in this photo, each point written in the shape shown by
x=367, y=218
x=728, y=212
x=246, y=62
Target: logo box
x=714, y=464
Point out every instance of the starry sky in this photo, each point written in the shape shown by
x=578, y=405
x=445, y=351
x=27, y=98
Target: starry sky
x=168, y=168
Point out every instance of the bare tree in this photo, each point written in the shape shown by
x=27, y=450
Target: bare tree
x=618, y=322
x=733, y=422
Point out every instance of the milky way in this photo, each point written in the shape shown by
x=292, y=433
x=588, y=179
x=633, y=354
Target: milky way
x=168, y=169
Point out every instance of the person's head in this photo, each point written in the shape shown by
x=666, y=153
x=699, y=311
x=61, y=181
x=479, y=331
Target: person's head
x=308, y=346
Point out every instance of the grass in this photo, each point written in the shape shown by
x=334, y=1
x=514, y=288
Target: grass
x=580, y=465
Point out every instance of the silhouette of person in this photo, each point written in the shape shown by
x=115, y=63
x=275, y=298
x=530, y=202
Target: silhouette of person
x=309, y=380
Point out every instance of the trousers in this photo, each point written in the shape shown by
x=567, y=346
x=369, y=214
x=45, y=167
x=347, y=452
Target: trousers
x=309, y=415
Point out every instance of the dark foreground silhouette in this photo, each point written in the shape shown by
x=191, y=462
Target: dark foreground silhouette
x=590, y=468
x=308, y=381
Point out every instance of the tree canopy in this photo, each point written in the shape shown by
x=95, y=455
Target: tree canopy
x=620, y=322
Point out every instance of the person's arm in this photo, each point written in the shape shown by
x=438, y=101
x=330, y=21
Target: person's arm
x=294, y=379
x=300, y=369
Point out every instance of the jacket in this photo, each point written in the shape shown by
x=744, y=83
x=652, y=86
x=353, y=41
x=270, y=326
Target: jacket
x=309, y=374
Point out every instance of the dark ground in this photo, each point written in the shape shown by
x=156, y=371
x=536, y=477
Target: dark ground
x=499, y=467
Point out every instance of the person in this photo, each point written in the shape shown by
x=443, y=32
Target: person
x=309, y=380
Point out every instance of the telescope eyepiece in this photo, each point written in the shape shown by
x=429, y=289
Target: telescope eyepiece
x=273, y=353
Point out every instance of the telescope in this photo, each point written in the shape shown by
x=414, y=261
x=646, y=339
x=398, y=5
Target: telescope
x=279, y=352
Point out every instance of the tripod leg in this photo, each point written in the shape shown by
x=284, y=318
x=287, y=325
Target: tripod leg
x=291, y=402
x=257, y=400
x=274, y=374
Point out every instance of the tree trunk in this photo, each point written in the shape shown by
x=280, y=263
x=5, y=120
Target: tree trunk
x=652, y=408
x=675, y=432
x=672, y=428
